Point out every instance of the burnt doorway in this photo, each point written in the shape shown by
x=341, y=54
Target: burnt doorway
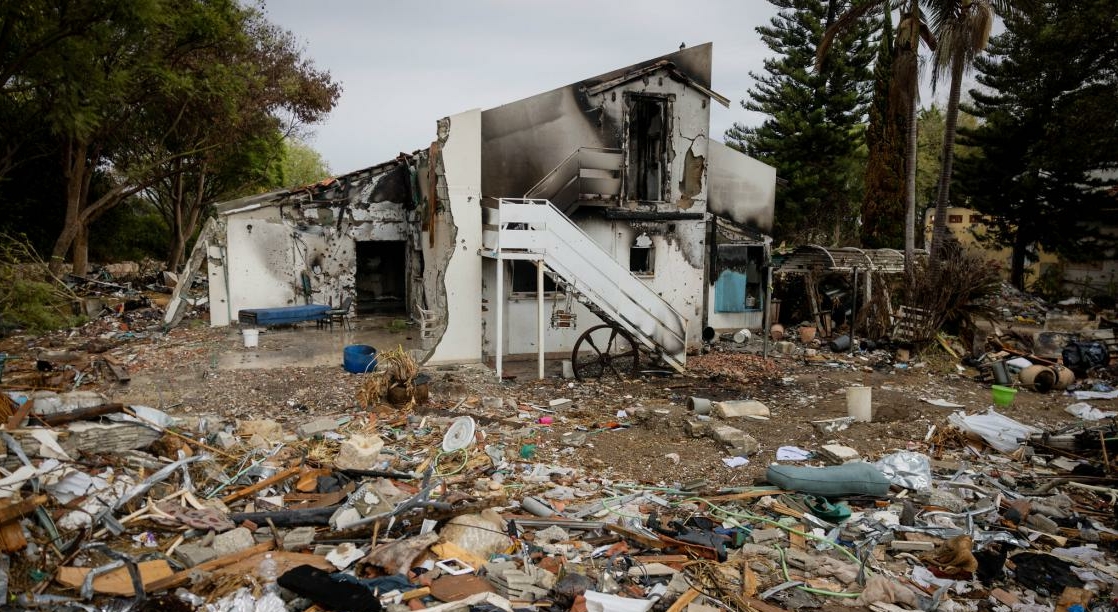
x=380, y=277
x=647, y=172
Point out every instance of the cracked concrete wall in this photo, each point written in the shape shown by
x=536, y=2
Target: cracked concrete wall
x=460, y=144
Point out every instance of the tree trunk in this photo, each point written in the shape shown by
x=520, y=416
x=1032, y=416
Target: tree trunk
x=951, y=120
x=910, y=192
x=79, y=251
x=1017, y=260
x=74, y=164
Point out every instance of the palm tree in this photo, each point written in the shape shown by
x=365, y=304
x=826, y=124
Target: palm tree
x=903, y=87
x=962, y=28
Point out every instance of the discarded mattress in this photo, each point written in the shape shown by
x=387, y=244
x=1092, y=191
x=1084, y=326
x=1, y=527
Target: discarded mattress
x=284, y=315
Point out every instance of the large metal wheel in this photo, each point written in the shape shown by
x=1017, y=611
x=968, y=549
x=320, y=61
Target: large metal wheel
x=605, y=351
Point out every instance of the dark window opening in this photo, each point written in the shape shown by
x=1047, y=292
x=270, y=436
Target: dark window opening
x=524, y=278
x=976, y=218
x=380, y=277
x=954, y=218
x=648, y=139
x=640, y=255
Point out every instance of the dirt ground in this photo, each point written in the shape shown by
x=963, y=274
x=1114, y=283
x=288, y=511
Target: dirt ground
x=182, y=373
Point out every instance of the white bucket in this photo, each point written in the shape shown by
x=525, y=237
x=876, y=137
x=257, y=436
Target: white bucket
x=859, y=403
x=252, y=337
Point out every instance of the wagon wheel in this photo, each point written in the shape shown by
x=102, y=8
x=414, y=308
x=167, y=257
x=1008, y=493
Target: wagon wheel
x=608, y=351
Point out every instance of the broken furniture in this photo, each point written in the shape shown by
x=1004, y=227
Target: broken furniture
x=284, y=315
x=339, y=315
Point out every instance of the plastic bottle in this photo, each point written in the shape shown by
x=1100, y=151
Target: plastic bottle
x=270, y=600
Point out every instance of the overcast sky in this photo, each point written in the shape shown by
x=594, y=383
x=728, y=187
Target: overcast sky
x=404, y=65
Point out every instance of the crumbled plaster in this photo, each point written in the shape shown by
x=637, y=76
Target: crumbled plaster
x=691, y=183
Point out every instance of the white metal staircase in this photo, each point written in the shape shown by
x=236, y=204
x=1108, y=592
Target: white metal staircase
x=589, y=175
x=534, y=229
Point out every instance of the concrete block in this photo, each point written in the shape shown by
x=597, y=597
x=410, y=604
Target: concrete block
x=839, y=454
x=298, y=538
x=224, y=439
x=559, y=403
x=733, y=438
x=739, y=408
x=194, y=554
x=901, y=545
x=761, y=536
x=785, y=347
x=696, y=429
x=317, y=426
x=232, y=541
x=359, y=453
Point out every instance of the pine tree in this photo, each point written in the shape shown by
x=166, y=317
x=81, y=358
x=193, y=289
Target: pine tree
x=813, y=130
x=883, y=207
x=1049, y=137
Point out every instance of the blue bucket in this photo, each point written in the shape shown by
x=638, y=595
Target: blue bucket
x=359, y=358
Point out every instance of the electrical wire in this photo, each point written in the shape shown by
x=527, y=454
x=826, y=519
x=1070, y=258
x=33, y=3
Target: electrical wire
x=465, y=459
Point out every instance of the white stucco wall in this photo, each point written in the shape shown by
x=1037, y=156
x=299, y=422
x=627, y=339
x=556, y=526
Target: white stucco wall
x=462, y=167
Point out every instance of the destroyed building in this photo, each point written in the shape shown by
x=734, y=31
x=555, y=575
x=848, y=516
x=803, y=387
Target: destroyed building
x=611, y=190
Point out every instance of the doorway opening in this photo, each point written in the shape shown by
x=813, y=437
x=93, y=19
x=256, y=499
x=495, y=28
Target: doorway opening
x=647, y=148
x=381, y=276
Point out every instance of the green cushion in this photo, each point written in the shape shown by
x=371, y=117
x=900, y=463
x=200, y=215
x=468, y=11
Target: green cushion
x=858, y=478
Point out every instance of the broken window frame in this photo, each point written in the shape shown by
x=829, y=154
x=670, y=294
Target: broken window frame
x=522, y=280
x=649, y=254
x=629, y=187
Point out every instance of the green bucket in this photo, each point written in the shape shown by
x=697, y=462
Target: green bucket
x=1003, y=396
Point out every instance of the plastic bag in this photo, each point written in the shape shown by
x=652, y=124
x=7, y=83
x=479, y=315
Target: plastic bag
x=907, y=469
x=999, y=431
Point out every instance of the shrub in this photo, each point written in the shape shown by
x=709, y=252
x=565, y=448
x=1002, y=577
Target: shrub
x=30, y=298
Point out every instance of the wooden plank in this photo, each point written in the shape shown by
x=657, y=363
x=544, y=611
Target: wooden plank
x=746, y=495
x=180, y=578
x=263, y=484
x=119, y=581
x=79, y=414
x=20, y=414
x=683, y=601
x=11, y=511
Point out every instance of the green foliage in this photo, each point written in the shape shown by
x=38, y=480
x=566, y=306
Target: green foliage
x=883, y=203
x=30, y=298
x=132, y=231
x=182, y=101
x=1049, y=132
x=813, y=126
x=302, y=164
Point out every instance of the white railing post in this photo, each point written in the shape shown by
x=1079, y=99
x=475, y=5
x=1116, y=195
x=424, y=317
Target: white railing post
x=500, y=301
x=539, y=314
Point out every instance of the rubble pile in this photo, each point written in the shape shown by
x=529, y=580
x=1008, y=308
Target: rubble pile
x=474, y=504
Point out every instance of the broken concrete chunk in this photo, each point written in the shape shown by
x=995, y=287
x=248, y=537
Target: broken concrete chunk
x=740, y=408
x=48, y=402
x=696, y=429
x=298, y=538
x=359, y=453
x=561, y=402
x=109, y=438
x=761, y=536
x=838, y=454
x=315, y=427
x=192, y=554
x=733, y=438
x=233, y=541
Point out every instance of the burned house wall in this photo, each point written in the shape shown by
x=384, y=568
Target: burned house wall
x=742, y=189
x=523, y=141
x=269, y=248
